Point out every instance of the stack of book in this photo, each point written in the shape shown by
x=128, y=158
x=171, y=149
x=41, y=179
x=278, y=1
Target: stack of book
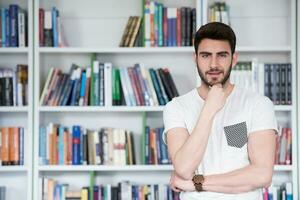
x=50, y=29
x=12, y=146
x=272, y=80
x=60, y=145
x=52, y=189
x=283, y=154
x=284, y=191
x=278, y=83
x=14, y=86
x=160, y=26
x=13, y=27
x=219, y=12
x=105, y=85
x=155, y=150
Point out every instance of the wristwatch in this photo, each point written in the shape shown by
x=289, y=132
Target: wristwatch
x=198, y=180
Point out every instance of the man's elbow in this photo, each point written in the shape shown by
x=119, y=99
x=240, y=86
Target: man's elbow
x=183, y=172
x=264, y=179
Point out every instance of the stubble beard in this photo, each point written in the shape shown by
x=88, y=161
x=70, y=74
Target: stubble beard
x=211, y=83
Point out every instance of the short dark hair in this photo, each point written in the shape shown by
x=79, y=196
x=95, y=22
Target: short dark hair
x=215, y=31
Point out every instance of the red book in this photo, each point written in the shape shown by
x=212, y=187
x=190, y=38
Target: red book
x=41, y=27
x=178, y=27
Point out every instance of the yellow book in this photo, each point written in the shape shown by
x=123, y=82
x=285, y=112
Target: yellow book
x=84, y=194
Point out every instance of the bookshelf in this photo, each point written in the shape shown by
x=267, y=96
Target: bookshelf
x=19, y=116
x=96, y=15
x=91, y=27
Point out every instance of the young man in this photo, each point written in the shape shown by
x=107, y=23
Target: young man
x=221, y=139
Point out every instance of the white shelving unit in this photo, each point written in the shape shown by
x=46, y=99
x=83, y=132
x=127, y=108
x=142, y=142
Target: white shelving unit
x=18, y=179
x=95, y=26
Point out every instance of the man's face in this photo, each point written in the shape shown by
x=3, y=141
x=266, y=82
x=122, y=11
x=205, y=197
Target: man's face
x=214, y=61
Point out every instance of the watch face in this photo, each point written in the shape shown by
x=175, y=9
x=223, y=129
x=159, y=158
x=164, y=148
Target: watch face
x=197, y=179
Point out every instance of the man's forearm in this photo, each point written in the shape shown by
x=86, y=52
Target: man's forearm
x=189, y=156
x=241, y=180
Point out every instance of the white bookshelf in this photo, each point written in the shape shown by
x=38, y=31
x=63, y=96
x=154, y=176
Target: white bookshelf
x=19, y=116
x=92, y=27
x=16, y=50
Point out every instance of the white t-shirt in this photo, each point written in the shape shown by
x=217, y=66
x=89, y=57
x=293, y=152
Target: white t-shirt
x=244, y=113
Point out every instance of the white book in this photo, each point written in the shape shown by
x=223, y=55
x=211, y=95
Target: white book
x=108, y=84
x=147, y=22
x=96, y=149
x=129, y=87
x=122, y=149
x=124, y=87
x=116, y=144
x=21, y=29
x=45, y=89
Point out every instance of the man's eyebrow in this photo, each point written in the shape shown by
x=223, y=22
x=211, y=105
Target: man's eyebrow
x=204, y=52
x=223, y=52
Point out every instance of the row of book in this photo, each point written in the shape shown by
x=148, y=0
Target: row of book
x=13, y=26
x=12, y=146
x=219, y=12
x=278, y=83
x=105, y=85
x=14, y=86
x=50, y=28
x=125, y=190
x=155, y=149
x=273, y=80
x=2, y=192
x=279, y=192
x=60, y=145
x=165, y=26
x=283, y=154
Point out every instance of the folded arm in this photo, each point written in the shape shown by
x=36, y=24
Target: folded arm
x=258, y=174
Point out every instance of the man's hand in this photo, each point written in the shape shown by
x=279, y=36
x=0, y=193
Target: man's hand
x=215, y=99
x=177, y=184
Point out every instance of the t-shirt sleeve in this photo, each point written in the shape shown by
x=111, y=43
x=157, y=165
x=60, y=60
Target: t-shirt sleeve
x=173, y=117
x=263, y=116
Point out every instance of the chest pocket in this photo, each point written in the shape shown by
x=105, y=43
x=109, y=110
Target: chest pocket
x=236, y=135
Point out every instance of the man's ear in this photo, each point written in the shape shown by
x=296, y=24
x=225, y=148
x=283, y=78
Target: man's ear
x=195, y=58
x=234, y=59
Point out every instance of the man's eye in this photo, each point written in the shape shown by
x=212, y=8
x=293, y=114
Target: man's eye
x=204, y=55
x=223, y=55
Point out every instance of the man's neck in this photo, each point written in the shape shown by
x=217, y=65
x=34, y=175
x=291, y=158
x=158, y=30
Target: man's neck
x=204, y=89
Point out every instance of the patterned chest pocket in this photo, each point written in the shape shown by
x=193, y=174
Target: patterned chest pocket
x=236, y=135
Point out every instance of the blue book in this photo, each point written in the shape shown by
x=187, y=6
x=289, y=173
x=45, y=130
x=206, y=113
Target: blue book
x=158, y=146
x=61, y=147
x=157, y=87
x=54, y=26
x=82, y=88
x=75, y=87
x=147, y=146
x=76, y=145
x=22, y=146
x=42, y=145
x=13, y=25
x=3, y=21
x=163, y=149
x=7, y=28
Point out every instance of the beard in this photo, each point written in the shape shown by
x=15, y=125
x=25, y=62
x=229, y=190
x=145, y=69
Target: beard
x=213, y=82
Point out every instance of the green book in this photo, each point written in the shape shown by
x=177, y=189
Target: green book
x=93, y=58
